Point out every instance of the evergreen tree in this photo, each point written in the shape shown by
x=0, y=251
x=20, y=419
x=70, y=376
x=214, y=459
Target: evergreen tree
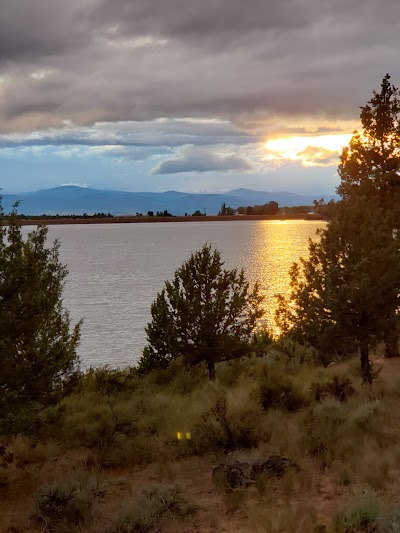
x=347, y=293
x=206, y=313
x=37, y=349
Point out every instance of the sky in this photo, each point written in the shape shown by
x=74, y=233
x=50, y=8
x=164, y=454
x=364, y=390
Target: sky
x=189, y=95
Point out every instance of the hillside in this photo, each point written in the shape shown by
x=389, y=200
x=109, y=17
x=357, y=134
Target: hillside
x=77, y=200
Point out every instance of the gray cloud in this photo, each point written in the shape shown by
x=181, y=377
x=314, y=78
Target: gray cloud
x=167, y=133
x=192, y=159
x=91, y=61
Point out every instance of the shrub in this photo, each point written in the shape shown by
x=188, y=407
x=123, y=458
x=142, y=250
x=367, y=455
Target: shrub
x=109, y=381
x=361, y=517
x=321, y=427
x=277, y=391
x=30, y=451
x=228, y=429
x=338, y=387
x=152, y=508
x=294, y=353
x=365, y=414
x=67, y=503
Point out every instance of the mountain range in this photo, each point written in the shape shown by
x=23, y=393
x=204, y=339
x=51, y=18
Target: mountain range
x=74, y=200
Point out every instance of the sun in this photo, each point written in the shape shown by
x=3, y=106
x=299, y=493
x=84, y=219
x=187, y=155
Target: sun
x=320, y=150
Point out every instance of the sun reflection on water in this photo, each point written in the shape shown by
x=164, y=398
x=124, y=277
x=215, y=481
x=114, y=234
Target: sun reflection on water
x=274, y=246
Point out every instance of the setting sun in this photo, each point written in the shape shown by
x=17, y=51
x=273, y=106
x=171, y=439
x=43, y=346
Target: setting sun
x=321, y=150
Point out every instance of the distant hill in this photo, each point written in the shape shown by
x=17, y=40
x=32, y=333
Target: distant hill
x=70, y=200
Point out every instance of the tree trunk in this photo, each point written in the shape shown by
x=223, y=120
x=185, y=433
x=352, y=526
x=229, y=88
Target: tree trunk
x=211, y=370
x=365, y=362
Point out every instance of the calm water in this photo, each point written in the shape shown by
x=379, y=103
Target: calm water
x=116, y=270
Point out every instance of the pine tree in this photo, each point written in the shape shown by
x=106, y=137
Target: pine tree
x=206, y=313
x=37, y=347
x=347, y=293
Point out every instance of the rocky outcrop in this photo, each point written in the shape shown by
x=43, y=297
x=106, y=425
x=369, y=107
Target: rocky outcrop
x=236, y=474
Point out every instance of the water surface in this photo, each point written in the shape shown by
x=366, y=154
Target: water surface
x=116, y=271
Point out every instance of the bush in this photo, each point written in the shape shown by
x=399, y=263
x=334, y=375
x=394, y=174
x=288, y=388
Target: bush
x=276, y=391
x=67, y=503
x=153, y=507
x=361, y=517
x=109, y=381
x=365, y=414
x=338, y=387
x=228, y=429
x=321, y=427
x=294, y=353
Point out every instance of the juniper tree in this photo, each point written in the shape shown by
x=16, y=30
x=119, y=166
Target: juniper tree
x=346, y=293
x=206, y=313
x=37, y=343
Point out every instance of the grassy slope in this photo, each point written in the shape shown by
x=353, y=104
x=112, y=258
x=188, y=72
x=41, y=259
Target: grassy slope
x=129, y=440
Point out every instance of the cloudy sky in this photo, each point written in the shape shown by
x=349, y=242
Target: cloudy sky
x=190, y=95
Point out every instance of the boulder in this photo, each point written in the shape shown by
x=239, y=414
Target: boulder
x=274, y=468
x=232, y=475
x=236, y=474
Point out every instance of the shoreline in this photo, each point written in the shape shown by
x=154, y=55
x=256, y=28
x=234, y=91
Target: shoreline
x=146, y=219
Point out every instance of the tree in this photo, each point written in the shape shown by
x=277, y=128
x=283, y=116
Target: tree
x=226, y=210
x=347, y=293
x=370, y=167
x=343, y=297
x=38, y=356
x=206, y=313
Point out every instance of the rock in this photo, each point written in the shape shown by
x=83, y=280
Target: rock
x=232, y=476
x=274, y=468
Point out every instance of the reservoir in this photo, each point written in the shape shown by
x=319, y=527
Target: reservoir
x=116, y=271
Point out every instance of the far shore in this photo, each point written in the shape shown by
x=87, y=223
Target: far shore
x=145, y=219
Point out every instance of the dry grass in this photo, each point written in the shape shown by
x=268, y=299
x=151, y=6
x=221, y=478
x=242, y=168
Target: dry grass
x=129, y=439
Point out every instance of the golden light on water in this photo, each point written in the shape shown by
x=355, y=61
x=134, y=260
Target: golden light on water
x=319, y=150
x=275, y=245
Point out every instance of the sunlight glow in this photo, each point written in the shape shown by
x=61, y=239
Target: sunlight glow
x=321, y=150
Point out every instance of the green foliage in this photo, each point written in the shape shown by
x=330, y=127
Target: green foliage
x=333, y=429
x=67, y=503
x=322, y=426
x=338, y=387
x=345, y=296
x=277, y=391
x=38, y=361
x=226, y=428
x=206, y=313
x=361, y=517
x=365, y=414
x=226, y=211
x=154, y=506
x=109, y=381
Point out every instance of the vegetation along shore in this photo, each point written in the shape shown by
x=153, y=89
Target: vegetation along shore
x=220, y=426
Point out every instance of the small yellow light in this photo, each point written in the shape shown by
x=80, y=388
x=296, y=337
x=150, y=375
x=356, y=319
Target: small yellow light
x=179, y=435
x=187, y=435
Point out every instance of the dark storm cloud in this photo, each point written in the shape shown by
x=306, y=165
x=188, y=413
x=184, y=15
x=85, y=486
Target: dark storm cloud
x=40, y=28
x=86, y=61
x=194, y=159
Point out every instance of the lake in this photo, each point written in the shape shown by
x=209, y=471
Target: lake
x=116, y=271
